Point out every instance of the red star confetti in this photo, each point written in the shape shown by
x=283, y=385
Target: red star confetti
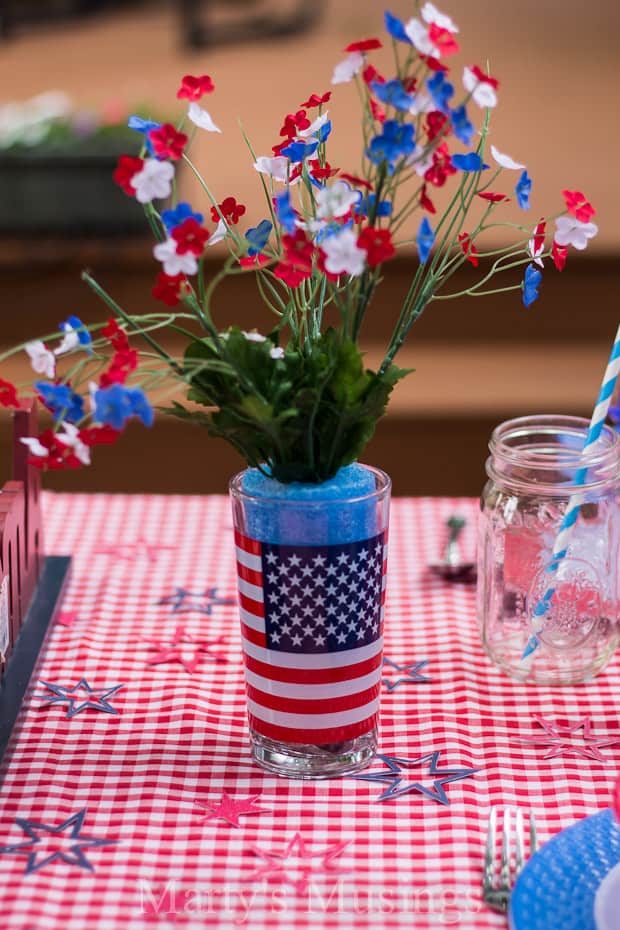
x=564, y=739
x=230, y=809
x=132, y=551
x=185, y=648
x=298, y=863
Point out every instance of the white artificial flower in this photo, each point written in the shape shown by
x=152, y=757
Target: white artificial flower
x=276, y=352
x=535, y=253
x=275, y=167
x=336, y=200
x=346, y=70
x=153, y=181
x=418, y=33
x=570, y=231
x=422, y=103
x=201, y=118
x=70, y=438
x=419, y=161
x=314, y=127
x=93, y=387
x=35, y=447
x=220, y=232
x=166, y=253
x=343, y=255
x=254, y=336
x=482, y=92
x=505, y=161
x=430, y=14
x=69, y=341
x=41, y=359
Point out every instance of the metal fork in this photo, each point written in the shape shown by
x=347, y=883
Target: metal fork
x=500, y=873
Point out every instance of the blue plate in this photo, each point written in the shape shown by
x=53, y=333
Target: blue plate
x=556, y=889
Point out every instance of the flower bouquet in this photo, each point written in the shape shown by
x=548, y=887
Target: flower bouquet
x=298, y=402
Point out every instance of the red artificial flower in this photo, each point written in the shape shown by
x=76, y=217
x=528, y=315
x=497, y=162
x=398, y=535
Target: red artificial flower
x=116, y=336
x=364, y=45
x=168, y=288
x=484, y=78
x=355, y=181
x=494, y=198
x=253, y=261
x=98, y=435
x=558, y=254
x=277, y=149
x=433, y=64
x=123, y=363
x=435, y=122
x=8, y=394
x=321, y=172
x=539, y=236
x=167, y=142
x=370, y=74
x=296, y=263
x=469, y=249
x=314, y=100
x=59, y=455
x=442, y=166
x=230, y=210
x=578, y=206
x=126, y=169
x=377, y=111
x=410, y=84
x=425, y=201
x=443, y=39
x=293, y=122
x=193, y=88
x=190, y=237
x=377, y=243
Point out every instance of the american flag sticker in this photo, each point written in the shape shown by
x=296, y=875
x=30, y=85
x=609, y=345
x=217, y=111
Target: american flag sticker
x=312, y=631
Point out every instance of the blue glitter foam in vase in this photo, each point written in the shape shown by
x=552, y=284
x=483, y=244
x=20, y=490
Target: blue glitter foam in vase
x=335, y=512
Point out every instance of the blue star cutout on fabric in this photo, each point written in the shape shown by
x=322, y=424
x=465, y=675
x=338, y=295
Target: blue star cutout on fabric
x=412, y=673
x=66, y=851
x=184, y=602
x=398, y=784
x=80, y=697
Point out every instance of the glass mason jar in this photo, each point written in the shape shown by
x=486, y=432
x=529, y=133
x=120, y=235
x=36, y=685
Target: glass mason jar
x=311, y=563
x=536, y=465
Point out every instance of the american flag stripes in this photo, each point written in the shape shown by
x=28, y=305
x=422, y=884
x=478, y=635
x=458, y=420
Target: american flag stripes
x=312, y=631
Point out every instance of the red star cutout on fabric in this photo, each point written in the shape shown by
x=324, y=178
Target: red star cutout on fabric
x=132, y=551
x=297, y=864
x=559, y=739
x=67, y=618
x=185, y=648
x=230, y=809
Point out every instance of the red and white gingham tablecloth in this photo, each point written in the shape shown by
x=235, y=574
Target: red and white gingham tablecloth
x=146, y=776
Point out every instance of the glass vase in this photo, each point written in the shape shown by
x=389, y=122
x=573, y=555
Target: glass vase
x=535, y=467
x=311, y=564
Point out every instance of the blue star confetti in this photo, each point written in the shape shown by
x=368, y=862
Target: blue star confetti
x=42, y=833
x=398, y=784
x=185, y=602
x=412, y=673
x=89, y=698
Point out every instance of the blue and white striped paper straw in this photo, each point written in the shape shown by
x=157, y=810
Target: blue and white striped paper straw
x=560, y=546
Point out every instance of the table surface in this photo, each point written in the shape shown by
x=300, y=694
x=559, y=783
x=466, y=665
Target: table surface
x=104, y=817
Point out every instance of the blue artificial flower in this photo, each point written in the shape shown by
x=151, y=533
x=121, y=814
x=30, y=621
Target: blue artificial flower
x=285, y=213
x=114, y=405
x=61, y=400
x=258, y=236
x=425, y=239
x=395, y=142
x=463, y=129
x=297, y=151
x=440, y=90
x=396, y=28
x=470, y=162
x=173, y=218
x=531, y=283
x=75, y=323
x=393, y=94
x=143, y=126
x=324, y=131
x=523, y=190
x=366, y=206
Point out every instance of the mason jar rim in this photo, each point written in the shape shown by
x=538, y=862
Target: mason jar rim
x=602, y=460
x=384, y=484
